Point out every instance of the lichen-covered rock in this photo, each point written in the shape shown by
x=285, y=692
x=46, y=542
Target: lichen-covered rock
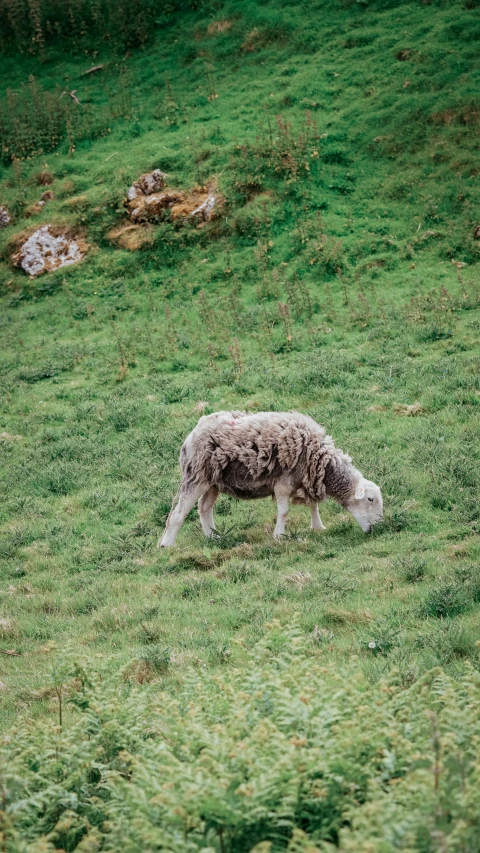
x=151, y=182
x=198, y=205
x=151, y=208
x=5, y=217
x=47, y=249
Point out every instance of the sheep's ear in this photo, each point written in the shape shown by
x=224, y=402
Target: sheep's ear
x=360, y=492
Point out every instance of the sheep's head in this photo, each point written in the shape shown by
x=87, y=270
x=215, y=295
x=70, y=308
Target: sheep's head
x=366, y=504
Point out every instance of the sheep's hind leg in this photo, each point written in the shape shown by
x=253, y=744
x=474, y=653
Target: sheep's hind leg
x=205, y=509
x=283, y=504
x=187, y=499
x=316, y=520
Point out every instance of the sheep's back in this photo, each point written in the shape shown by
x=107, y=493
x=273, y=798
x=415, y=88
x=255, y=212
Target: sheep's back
x=229, y=449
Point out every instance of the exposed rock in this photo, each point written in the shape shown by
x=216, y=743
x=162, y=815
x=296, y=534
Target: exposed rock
x=151, y=182
x=199, y=205
x=5, y=217
x=152, y=207
x=131, y=236
x=47, y=249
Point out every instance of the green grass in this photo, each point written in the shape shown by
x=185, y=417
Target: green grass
x=341, y=280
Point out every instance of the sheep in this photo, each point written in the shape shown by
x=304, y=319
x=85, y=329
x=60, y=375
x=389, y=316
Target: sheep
x=282, y=454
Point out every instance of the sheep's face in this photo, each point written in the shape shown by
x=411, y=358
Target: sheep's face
x=366, y=505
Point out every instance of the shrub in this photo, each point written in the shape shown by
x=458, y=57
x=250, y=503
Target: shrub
x=448, y=599
x=285, y=751
x=412, y=567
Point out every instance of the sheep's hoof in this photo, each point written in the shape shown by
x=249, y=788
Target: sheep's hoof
x=318, y=529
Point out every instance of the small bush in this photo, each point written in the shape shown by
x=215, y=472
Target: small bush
x=412, y=567
x=285, y=752
x=157, y=657
x=448, y=599
x=122, y=414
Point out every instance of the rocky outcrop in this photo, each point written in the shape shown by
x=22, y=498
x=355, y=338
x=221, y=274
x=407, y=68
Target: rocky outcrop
x=5, y=217
x=151, y=182
x=47, y=249
x=149, y=200
x=36, y=208
x=152, y=208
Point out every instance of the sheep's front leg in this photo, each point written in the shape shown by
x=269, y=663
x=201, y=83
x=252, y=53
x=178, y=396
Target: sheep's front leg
x=205, y=509
x=187, y=499
x=283, y=506
x=316, y=520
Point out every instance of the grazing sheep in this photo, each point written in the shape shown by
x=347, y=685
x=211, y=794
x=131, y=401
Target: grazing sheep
x=284, y=454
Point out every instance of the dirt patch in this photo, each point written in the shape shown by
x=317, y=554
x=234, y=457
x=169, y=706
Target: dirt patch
x=216, y=27
x=252, y=41
x=43, y=179
x=132, y=236
x=40, y=204
x=47, y=249
x=408, y=411
x=139, y=672
x=5, y=217
x=76, y=202
x=476, y=233
x=7, y=436
x=7, y=627
x=298, y=579
x=466, y=114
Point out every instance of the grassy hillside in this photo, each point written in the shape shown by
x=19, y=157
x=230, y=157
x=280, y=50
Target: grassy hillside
x=341, y=280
